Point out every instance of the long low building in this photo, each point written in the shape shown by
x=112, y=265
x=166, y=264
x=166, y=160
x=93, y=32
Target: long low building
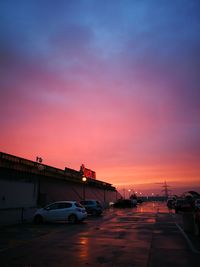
x=26, y=185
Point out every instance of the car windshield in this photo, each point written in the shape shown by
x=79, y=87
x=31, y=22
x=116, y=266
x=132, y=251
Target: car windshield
x=78, y=205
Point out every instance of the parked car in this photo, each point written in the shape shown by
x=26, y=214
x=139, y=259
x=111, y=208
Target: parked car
x=93, y=207
x=139, y=201
x=171, y=203
x=70, y=211
x=197, y=221
x=125, y=203
x=197, y=203
x=182, y=205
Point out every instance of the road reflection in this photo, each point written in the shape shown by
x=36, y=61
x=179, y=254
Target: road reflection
x=152, y=207
x=115, y=226
x=84, y=247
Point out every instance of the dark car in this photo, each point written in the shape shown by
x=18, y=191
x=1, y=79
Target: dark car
x=170, y=203
x=197, y=221
x=92, y=206
x=125, y=203
x=139, y=201
x=182, y=205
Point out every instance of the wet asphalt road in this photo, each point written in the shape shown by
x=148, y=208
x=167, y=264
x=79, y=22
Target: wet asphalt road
x=146, y=236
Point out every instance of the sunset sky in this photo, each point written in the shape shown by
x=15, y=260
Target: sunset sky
x=111, y=84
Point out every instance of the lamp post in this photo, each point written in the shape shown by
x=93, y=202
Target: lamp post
x=40, y=168
x=129, y=192
x=84, y=180
x=104, y=193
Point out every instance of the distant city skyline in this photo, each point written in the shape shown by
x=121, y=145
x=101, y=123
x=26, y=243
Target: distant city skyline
x=113, y=85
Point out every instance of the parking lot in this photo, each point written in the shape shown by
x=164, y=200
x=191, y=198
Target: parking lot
x=148, y=235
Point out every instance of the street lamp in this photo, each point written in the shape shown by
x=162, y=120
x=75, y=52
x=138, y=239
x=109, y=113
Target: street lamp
x=129, y=190
x=84, y=180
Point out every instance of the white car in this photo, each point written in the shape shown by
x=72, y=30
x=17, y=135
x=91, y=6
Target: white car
x=70, y=211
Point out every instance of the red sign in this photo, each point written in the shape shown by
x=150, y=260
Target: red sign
x=87, y=172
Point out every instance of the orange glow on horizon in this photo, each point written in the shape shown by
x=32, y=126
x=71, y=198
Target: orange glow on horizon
x=139, y=178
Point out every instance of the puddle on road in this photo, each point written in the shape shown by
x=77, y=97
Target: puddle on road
x=150, y=220
x=153, y=207
x=157, y=231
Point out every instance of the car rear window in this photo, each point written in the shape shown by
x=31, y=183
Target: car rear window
x=58, y=205
x=64, y=205
x=87, y=202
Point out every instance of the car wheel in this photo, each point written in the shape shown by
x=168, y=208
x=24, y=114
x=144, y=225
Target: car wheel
x=72, y=218
x=38, y=219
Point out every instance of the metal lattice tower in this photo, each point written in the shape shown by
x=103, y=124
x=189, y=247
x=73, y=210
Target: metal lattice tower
x=166, y=189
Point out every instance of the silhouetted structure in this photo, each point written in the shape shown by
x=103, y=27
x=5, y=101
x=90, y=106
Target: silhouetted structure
x=166, y=189
x=26, y=184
